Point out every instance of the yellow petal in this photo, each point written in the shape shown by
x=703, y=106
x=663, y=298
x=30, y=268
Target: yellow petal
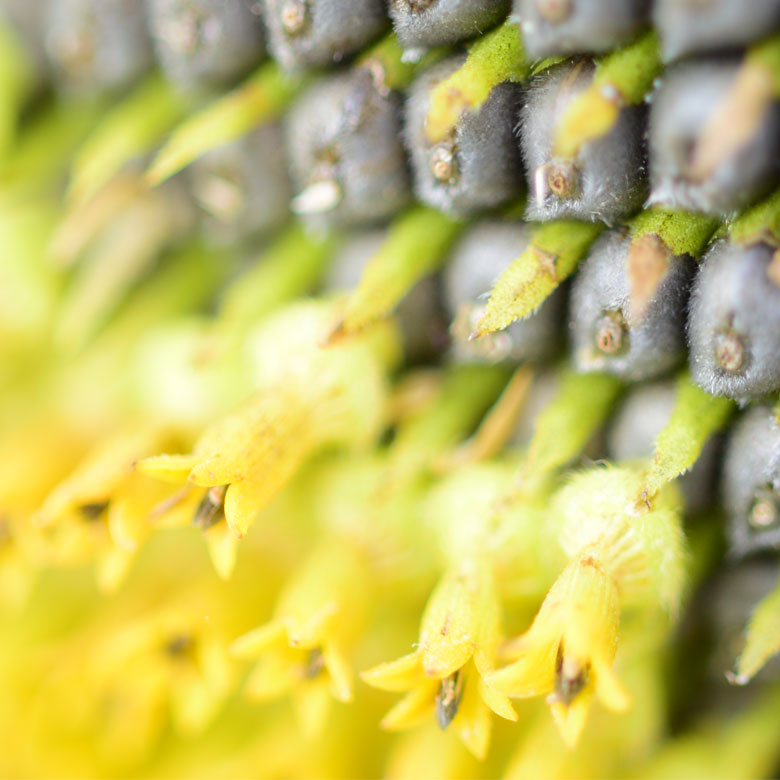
x=609, y=690
x=325, y=596
x=416, y=707
x=763, y=637
x=192, y=704
x=264, y=440
x=452, y=620
x=403, y=674
x=243, y=502
x=313, y=631
x=129, y=510
x=273, y=676
x=168, y=468
x=253, y=643
x=472, y=723
x=533, y=674
x=111, y=569
x=339, y=671
x=497, y=702
x=312, y=704
x=571, y=720
x=223, y=548
x=125, y=524
x=215, y=666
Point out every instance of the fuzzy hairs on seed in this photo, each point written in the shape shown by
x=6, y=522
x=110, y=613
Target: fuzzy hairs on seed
x=489, y=170
x=120, y=48
x=423, y=23
x=657, y=343
x=345, y=121
x=329, y=30
x=680, y=108
x=482, y=255
x=584, y=27
x=751, y=465
x=692, y=27
x=229, y=40
x=612, y=170
x=732, y=293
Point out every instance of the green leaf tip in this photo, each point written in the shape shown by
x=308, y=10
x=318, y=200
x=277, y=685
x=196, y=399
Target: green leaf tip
x=496, y=57
x=416, y=245
x=695, y=417
x=263, y=97
x=551, y=256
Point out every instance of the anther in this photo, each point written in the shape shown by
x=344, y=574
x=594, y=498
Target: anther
x=178, y=645
x=211, y=509
x=315, y=663
x=94, y=510
x=448, y=699
x=570, y=678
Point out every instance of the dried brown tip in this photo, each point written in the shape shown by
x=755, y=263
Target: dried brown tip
x=611, y=333
x=443, y=163
x=730, y=352
x=734, y=121
x=648, y=264
x=773, y=269
x=448, y=699
x=554, y=11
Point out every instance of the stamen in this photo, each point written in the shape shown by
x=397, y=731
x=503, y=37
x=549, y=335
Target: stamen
x=570, y=678
x=211, y=509
x=448, y=699
x=178, y=645
x=93, y=511
x=315, y=663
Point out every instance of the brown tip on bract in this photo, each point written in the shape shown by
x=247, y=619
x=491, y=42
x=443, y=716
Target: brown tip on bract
x=730, y=352
x=546, y=261
x=773, y=269
x=734, y=121
x=648, y=264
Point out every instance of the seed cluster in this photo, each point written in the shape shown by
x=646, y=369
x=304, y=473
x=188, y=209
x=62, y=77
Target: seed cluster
x=376, y=371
